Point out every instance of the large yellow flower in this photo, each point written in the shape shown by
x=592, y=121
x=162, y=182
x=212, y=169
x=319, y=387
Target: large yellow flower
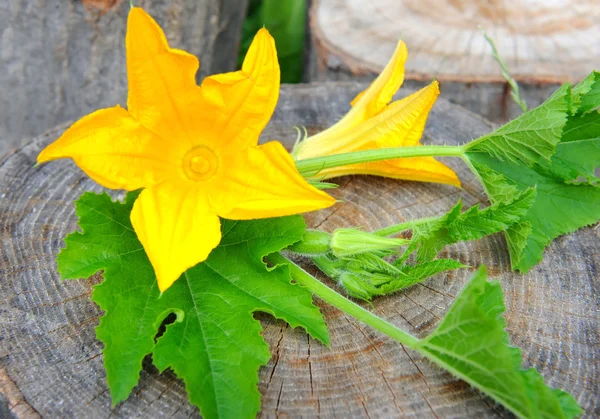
x=373, y=124
x=194, y=149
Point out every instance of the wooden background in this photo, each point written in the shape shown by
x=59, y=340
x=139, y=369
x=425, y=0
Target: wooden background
x=51, y=362
x=544, y=44
x=65, y=59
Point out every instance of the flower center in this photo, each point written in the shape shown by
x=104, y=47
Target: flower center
x=200, y=163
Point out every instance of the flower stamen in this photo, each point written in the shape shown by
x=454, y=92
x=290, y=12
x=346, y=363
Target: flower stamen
x=200, y=163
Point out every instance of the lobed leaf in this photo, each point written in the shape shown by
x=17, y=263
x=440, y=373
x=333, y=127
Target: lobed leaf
x=471, y=343
x=568, y=196
x=214, y=345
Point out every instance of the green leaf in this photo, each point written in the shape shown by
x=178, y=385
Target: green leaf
x=529, y=139
x=422, y=271
x=453, y=227
x=215, y=344
x=578, y=154
x=415, y=274
x=471, y=343
x=586, y=95
x=559, y=208
x=567, y=194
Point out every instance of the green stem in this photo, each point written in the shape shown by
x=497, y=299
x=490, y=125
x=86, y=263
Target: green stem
x=310, y=167
x=326, y=265
x=314, y=242
x=399, y=228
x=341, y=303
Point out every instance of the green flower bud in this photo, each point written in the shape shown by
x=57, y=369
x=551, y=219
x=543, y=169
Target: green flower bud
x=352, y=241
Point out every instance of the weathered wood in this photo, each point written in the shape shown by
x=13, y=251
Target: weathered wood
x=543, y=46
x=63, y=59
x=51, y=362
x=549, y=42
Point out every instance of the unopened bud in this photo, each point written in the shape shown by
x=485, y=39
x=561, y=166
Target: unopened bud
x=351, y=241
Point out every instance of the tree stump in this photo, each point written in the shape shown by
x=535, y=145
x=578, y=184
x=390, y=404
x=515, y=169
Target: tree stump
x=51, y=362
x=64, y=59
x=543, y=44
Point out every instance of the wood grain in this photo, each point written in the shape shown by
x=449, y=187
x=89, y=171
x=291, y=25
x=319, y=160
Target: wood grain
x=51, y=362
x=63, y=59
x=543, y=45
x=540, y=41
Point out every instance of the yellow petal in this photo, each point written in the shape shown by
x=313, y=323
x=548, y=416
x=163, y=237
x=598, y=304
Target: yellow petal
x=115, y=150
x=421, y=169
x=399, y=124
x=371, y=101
x=402, y=123
x=177, y=228
x=365, y=105
x=261, y=182
x=163, y=95
x=250, y=95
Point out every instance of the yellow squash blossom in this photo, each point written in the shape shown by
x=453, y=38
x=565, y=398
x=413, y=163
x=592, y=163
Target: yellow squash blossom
x=193, y=148
x=373, y=124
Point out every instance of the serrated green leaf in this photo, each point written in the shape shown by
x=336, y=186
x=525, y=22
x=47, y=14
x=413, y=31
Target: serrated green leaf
x=529, y=139
x=215, y=344
x=422, y=271
x=567, y=194
x=578, y=154
x=415, y=274
x=453, y=227
x=517, y=236
x=495, y=184
x=471, y=342
x=559, y=207
x=586, y=95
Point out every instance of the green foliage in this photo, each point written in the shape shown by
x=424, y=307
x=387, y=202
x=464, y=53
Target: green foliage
x=215, y=344
x=561, y=164
x=586, y=95
x=471, y=343
x=286, y=21
x=364, y=271
x=366, y=275
x=529, y=139
x=473, y=224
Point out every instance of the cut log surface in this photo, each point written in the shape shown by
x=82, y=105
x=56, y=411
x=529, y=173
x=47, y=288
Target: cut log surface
x=51, y=363
x=548, y=41
x=543, y=43
x=62, y=59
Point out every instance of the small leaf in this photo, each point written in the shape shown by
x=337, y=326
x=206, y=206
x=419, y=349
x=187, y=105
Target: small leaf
x=453, y=227
x=471, y=343
x=215, y=344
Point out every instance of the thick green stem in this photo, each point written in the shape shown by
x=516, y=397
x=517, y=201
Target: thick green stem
x=310, y=167
x=341, y=303
x=399, y=228
x=326, y=265
x=314, y=242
